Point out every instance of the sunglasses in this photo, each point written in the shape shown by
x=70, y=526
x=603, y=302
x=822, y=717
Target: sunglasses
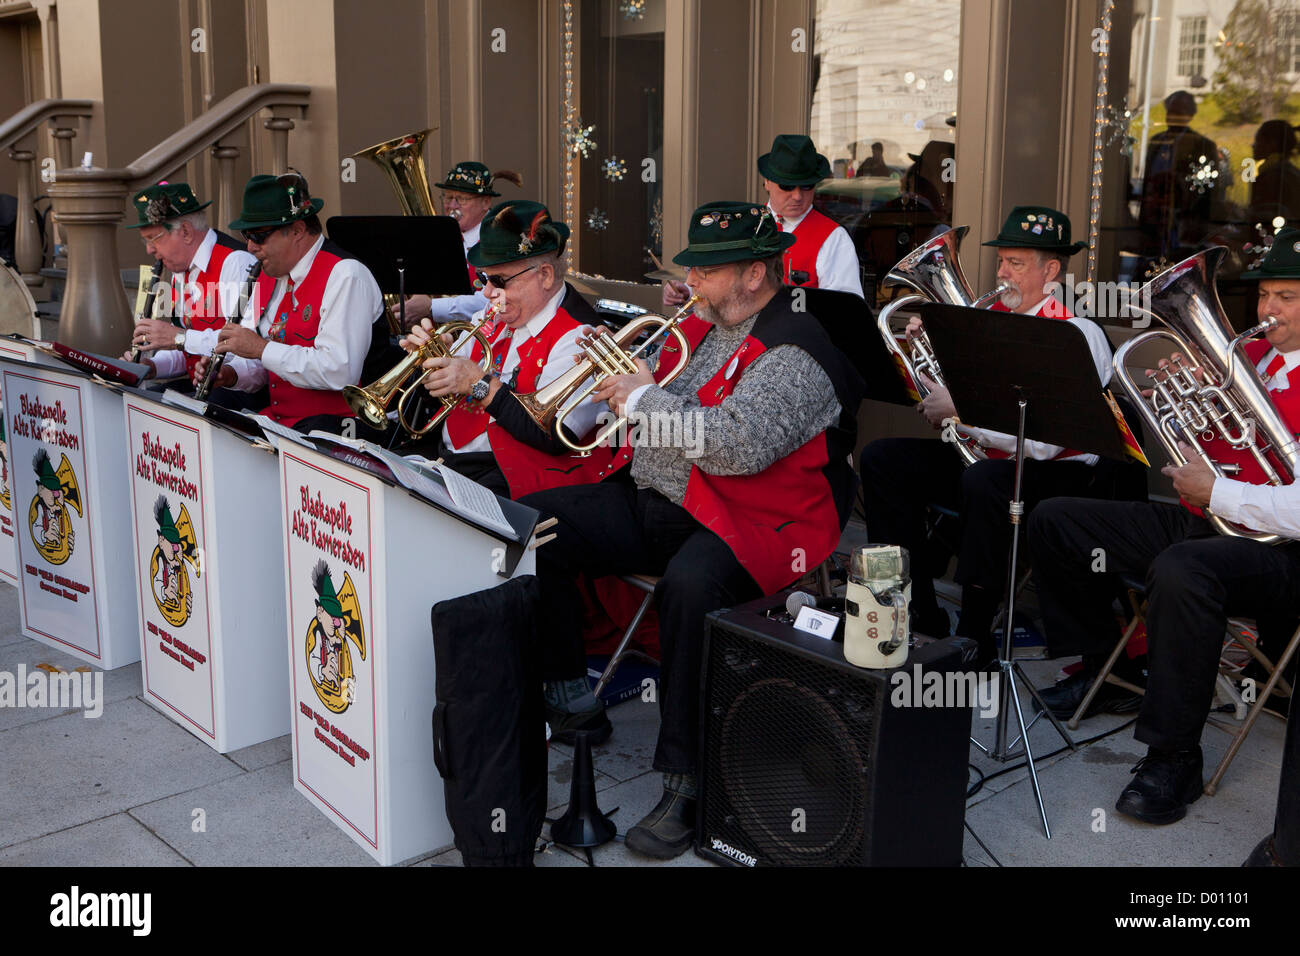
x=259, y=236
x=794, y=189
x=501, y=281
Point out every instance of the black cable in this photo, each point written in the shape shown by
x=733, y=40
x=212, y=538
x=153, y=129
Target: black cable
x=981, y=843
x=1023, y=763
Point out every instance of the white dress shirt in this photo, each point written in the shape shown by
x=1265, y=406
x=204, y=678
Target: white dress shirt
x=349, y=306
x=1273, y=508
x=460, y=308
x=837, y=260
x=1099, y=346
x=583, y=417
x=234, y=270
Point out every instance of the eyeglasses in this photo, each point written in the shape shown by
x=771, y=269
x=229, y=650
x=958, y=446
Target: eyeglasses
x=152, y=240
x=259, y=236
x=791, y=189
x=501, y=281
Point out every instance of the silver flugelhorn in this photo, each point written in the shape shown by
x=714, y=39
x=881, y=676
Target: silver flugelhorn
x=934, y=271
x=1213, y=392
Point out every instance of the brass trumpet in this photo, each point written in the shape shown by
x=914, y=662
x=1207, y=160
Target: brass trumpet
x=608, y=354
x=371, y=403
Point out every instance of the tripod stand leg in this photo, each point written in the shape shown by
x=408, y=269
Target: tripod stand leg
x=1029, y=758
x=1043, y=708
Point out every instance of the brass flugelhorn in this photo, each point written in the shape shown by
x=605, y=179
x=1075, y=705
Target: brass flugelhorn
x=934, y=271
x=146, y=311
x=371, y=402
x=1213, y=392
x=215, y=361
x=607, y=354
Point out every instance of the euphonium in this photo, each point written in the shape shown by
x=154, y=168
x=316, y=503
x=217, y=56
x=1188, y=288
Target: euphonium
x=934, y=271
x=608, y=353
x=1212, y=392
x=371, y=403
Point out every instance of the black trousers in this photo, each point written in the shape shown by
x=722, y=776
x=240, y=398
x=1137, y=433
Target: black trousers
x=1195, y=580
x=901, y=476
x=616, y=528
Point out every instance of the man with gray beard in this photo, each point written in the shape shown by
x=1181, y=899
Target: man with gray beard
x=757, y=493
x=903, y=477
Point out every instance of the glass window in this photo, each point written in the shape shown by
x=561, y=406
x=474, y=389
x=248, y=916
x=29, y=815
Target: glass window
x=1191, y=47
x=1207, y=154
x=618, y=214
x=884, y=114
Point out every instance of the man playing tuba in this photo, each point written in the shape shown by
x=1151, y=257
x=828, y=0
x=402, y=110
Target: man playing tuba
x=1195, y=578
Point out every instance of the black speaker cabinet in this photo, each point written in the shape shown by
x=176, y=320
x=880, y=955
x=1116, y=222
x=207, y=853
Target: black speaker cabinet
x=806, y=760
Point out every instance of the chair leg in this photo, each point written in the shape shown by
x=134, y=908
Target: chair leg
x=1105, y=675
x=621, y=651
x=1255, y=710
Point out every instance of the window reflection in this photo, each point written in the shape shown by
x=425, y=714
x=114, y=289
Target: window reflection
x=884, y=113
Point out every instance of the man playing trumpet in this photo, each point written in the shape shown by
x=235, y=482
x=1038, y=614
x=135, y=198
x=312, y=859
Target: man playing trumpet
x=756, y=492
x=534, y=337
x=902, y=477
x=208, y=269
x=1195, y=578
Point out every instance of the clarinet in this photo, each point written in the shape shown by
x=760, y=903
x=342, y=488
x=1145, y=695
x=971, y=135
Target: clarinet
x=216, y=361
x=147, y=311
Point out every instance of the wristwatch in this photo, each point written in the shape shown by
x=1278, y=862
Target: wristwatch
x=480, y=389
x=180, y=338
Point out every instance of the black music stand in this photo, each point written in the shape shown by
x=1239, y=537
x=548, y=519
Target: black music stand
x=851, y=325
x=1022, y=375
x=406, y=255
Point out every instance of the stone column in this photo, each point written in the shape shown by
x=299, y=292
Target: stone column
x=89, y=204
x=28, y=254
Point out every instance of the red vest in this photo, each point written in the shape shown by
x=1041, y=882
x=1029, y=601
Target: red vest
x=526, y=469
x=813, y=230
x=779, y=522
x=1287, y=403
x=203, y=311
x=296, y=323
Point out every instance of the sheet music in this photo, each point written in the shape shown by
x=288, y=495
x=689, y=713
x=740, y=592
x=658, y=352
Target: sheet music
x=187, y=402
x=474, y=499
x=275, y=431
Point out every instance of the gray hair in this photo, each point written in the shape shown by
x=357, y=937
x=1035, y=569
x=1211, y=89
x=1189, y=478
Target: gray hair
x=198, y=221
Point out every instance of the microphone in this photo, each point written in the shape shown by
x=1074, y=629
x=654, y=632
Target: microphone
x=799, y=599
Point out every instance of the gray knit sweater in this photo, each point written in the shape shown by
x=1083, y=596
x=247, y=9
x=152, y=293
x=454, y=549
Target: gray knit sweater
x=783, y=400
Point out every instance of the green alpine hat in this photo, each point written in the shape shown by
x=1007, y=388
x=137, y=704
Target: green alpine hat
x=44, y=473
x=517, y=229
x=156, y=205
x=162, y=514
x=1283, y=259
x=275, y=201
x=731, y=232
x=1037, y=227
x=325, y=594
x=474, y=178
x=794, y=161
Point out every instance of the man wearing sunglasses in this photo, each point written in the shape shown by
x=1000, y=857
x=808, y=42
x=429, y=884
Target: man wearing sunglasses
x=534, y=337
x=467, y=193
x=208, y=269
x=311, y=319
x=823, y=256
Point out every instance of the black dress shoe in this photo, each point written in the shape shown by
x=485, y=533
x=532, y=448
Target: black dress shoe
x=667, y=830
x=1064, y=698
x=1166, y=782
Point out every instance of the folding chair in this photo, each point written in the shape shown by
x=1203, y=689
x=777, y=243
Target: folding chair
x=646, y=583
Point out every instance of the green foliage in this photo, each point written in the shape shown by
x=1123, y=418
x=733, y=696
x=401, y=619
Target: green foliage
x=1254, y=56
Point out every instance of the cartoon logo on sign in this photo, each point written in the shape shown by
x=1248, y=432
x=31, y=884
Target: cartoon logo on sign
x=48, y=518
x=167, y=572
x=329, y=660
x=4, y=467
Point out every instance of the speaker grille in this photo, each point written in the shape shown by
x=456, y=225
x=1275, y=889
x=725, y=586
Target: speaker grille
x=791, y=736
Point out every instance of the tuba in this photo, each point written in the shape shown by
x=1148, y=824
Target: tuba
x=1212, y=392
x=371, y=402
x=933, y=271
x=402, y=160
x=608, y=353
